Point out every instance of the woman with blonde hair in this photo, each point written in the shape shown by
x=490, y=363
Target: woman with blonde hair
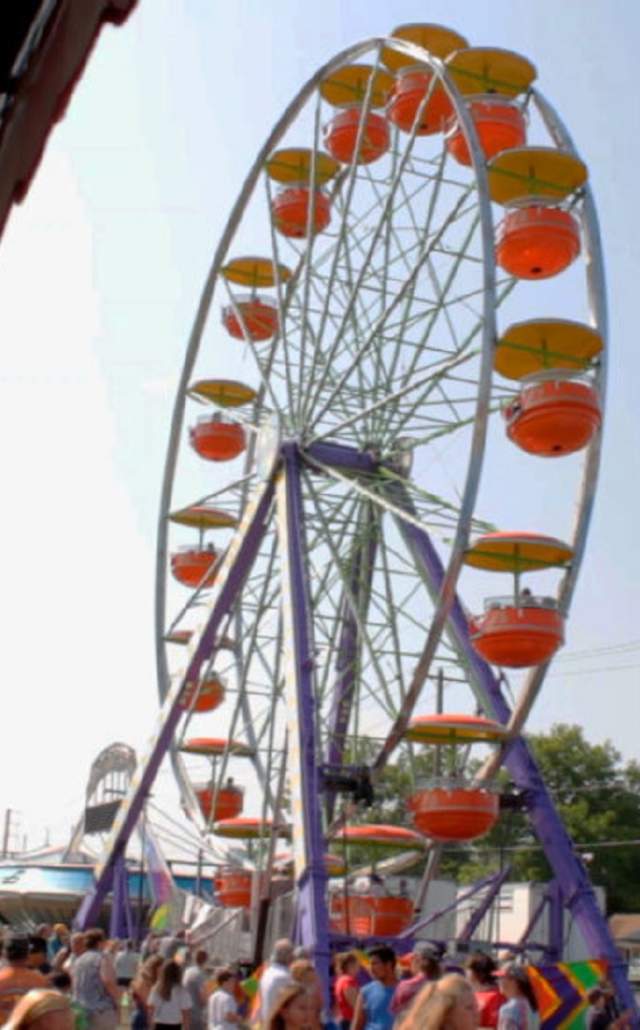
x=445, y=1004
x=140, y=989
x=293, y=1009
x=303, y=972
x=41, y=1010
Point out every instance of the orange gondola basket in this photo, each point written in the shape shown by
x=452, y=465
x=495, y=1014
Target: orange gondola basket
x=537, y=241
x=194, y=566
x=419, y=99
x=227, y=805
x=254, y=318
x=341, y=136
x=538, y=237
x=518, y=635
x=454, y=812
x=365, y=915
x=297, y=208
x=209, y=694
x=217, y=439
x=233, y=887
x=499, y=123
x=354, y=134
x=554, y=414
x=520, y=629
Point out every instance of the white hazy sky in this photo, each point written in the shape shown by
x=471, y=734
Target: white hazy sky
x=100, y=271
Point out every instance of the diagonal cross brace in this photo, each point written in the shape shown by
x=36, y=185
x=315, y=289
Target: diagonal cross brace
x=233, y=571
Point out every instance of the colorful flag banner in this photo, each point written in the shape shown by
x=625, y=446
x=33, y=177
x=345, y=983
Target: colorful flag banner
x=561, y=991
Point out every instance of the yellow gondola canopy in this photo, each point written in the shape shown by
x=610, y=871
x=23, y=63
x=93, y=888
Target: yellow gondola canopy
x=488, y=70
x=255, y=272
x=517, y=552
x=545, y=343
x=437, y=39
x=455, y=729
x=203, y=516
x=226, y=393
x=348, y=86
x=294, y=166
x=534, y=172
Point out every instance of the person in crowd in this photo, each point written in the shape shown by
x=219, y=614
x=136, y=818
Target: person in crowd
x=42, y=1010
x=373, y=1007
x=62, y=982
x=276, y=976
x=610, y=1003
x=520, y=1010
x=480, y=970
x=38, y=955
x=222, y=1007
x=66, y=957
x=17, y=977
x=94, y=983
x=346, y=988
x=169, y=1004
x=126, y=964
x=292, y=1009
x=58, y=939
x=194, y=981
x=425, y=966
x=596, y=1017
x=140, y=990
x=303, y=972
x=445, y=1004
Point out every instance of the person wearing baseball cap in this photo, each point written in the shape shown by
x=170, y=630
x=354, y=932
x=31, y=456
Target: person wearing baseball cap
x=520, y=1010
x=425, y=967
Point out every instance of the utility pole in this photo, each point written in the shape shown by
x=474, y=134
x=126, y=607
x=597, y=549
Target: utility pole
x=10, y=842
x=6, y=836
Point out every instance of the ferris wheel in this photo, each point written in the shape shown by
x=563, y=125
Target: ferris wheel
x=383, y=302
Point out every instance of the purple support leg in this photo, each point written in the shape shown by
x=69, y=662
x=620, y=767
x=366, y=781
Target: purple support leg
x=240, y=556
x=555, y=935
x=348, y=653
x=571, y=875
x=121, y=922
x=312, y=926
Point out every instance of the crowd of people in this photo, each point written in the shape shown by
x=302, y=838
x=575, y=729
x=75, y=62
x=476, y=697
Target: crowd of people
x=54, y=980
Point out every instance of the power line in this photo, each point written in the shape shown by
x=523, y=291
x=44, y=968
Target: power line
x=588, y=845
x=621, y=648
x=594, y=672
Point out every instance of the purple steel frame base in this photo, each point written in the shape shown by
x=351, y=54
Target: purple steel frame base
x=312, y=924
x=121, y=924
x=571, y=887
x=571, y=876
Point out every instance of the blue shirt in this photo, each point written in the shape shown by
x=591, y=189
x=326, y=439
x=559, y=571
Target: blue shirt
x=376, y=999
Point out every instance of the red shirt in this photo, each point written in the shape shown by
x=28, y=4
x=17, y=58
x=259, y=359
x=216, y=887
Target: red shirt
x=406, y=991
x=489, y=1002
x=342, y=984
